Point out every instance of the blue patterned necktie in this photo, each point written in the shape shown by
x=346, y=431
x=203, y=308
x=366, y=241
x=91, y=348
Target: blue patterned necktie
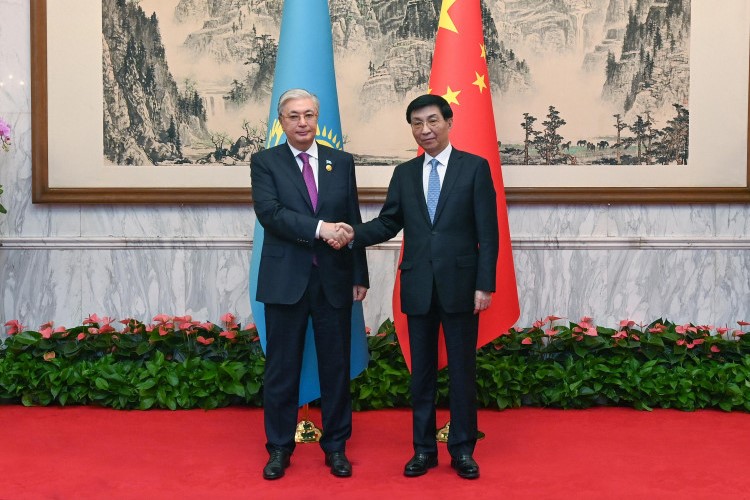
x=433, y=189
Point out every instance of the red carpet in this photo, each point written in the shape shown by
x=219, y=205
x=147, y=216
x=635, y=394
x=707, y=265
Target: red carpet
x=85, y=452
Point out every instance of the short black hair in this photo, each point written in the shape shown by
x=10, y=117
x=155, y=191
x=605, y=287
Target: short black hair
x=429, y=100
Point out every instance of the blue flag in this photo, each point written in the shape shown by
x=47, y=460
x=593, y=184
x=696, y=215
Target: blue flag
x=305, y=60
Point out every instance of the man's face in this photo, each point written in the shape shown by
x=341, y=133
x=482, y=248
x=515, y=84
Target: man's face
x=299, y=120
x=430, y=129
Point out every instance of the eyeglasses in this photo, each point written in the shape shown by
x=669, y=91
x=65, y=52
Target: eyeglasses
x=431, y=123
x=295, y=117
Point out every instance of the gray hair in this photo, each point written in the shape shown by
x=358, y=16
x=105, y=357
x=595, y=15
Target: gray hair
x=297, y=94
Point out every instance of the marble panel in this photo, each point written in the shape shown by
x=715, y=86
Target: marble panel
x=39, y=286
x=662, y=220
x=15, y=57
x=557, y=221
x=645, y=285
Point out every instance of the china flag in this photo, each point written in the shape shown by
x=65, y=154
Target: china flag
x=459, y=74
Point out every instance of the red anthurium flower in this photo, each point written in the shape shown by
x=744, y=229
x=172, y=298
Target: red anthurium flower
x=150, y=328
x=46, y=332
x=527, y=341
x=657, y=328
x=60, y=329
x=208, y=325
x=627, y=323
x=550, y=332
x=551, y=318
x=161, y=318
x=185, y=325
x=620, y=335
x=743, y=323
x=93, y=318
x=81, y=336
x=251, y=326
x=230, y=334
x=722, y=330
x=14, y=327
x=539, y=323
x=518, y=329
x=498, y=346
x=698, y=341
x=204, y=341
x=680, y=342
x=715, y=348
x=636, y=337
x=591, y=332
x=577, y=329
x=106, y=328
x=368, y=330
x=586, y=319
x=49, y=355
x=163, y=331
x=681, y=329
x=183, y=319
x=93, y=330
x=738, y=333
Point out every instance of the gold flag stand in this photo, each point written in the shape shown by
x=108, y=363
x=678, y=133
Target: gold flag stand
x=442, y=434
x=306, y=431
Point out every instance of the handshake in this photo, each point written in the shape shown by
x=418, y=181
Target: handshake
x=337, y=234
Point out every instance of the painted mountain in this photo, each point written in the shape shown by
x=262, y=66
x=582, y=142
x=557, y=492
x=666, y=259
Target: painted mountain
x=573, y=81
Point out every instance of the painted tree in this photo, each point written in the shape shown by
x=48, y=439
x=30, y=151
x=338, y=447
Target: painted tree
x=529, y=135
x=547, y=143
x=641, y=130
x=619, y=126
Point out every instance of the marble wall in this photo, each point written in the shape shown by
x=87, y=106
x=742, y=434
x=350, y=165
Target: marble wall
x=64, y=262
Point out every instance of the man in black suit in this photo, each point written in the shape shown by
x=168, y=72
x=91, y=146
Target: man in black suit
x=297, y=187
x=444, y=201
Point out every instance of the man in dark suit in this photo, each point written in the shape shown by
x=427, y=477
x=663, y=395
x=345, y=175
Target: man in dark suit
x=444, y=201
x=297, y=187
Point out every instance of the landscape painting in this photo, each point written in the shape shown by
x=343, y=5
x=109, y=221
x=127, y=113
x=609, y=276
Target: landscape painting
x=574, y=81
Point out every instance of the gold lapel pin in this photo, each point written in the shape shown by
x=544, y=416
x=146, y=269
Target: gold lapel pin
x=329, y=167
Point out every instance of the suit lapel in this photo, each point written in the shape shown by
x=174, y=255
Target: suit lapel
x=416, y=179
x=451, y=175
x=324, y=177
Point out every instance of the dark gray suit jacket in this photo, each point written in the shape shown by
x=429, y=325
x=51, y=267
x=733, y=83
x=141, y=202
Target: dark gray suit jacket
x=459, y=251
x=283, y=207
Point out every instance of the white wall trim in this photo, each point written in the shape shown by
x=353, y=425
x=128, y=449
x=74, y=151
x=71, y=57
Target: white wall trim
x=522, y=243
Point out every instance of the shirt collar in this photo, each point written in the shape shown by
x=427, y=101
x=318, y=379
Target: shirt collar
x=312, y=150
x=442, y=156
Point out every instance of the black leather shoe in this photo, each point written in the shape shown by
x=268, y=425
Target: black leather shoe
x=277, y=462
x=419, y=464
x=465, y=466
x=339, y=464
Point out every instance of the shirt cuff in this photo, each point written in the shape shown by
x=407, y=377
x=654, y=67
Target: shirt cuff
x=317, y=229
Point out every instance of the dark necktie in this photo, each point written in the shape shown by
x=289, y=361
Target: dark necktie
x=307, y=173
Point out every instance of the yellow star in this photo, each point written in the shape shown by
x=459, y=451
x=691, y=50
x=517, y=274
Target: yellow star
x=479, y=82
x=451, y=96
x=483, y=55
x=445, y=20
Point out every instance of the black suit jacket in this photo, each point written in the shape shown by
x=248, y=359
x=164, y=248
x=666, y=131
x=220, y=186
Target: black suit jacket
x=459, y=251
x=283, y=207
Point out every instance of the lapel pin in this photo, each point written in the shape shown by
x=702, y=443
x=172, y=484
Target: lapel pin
x=329, y=166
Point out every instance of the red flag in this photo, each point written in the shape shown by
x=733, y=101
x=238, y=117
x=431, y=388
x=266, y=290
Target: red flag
x=459, y=74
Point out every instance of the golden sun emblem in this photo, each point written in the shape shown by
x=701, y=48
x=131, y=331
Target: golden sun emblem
x=325, y=136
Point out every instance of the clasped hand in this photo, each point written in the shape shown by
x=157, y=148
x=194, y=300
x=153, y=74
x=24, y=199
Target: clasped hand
x=337, y=234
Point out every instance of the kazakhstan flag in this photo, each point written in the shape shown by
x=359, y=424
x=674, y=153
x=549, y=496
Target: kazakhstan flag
x=305, y=60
